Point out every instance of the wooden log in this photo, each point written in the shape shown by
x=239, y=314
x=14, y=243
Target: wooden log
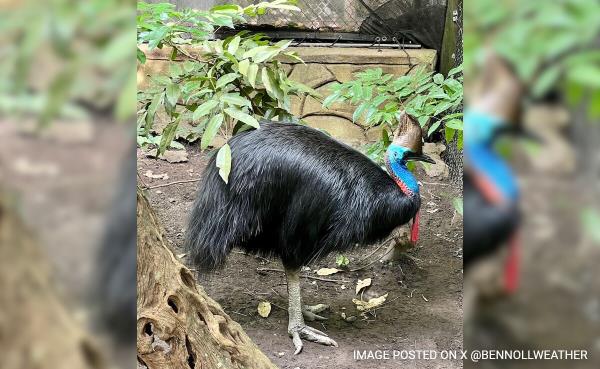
x=178, y=325
x=37, y=329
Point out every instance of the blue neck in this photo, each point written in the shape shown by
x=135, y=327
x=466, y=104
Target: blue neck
x=480, y=155
x=398, y=170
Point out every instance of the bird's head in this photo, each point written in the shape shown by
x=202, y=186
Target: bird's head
x=407, y=144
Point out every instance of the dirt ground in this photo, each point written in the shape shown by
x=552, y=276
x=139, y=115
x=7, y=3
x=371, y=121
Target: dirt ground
x=424, y=306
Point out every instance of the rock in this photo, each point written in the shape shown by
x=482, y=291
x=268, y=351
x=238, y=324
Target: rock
x=554, y=154
x=439, y=169
x=312, y=75
x=175, y=156
x=374, y=133
x=339, y=128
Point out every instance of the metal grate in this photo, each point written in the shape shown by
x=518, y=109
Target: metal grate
x=406, y=21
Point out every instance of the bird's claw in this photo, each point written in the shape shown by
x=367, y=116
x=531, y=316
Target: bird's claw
x=311, y=317
x=310, y=312
x=310, y=334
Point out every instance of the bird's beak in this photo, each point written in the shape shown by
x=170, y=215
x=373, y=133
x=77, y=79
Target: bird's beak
x=419, y=157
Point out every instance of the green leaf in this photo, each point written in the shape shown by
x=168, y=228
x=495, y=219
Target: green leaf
x=204, y=109
x=385, y=137
x=233, y=45
x=442, y=108
x=546, y=81
x=125, y=106
x=330, y=99
x=168, y=134
x=243, y=67
x=457, y=202
x=189, y=66
x=241, y=116
x=173, y=93
x=250, y=53
x=433, y=127
x=236, y=99
x=225, y=79
x=449, y=133
x=341, y=261
x=252, y=71
x=455, y=124
x=267, y=82
x=438, y=78
x=455, y=70
x=151, y=111
x=358, y=112
x=294, y=56
x=141, y=57
x=590, y=220
x=211, y=130
x=265, y=55
x=224, y=162
x=423, y=120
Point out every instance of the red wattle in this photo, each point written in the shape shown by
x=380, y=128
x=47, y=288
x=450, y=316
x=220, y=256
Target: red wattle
x=511, y=268
x=414, y=230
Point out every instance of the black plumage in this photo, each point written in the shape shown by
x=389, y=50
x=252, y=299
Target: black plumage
x=293, y=193
x=487, y=226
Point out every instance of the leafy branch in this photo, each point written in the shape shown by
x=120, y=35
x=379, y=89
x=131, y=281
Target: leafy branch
x=432, y=99
x=228, y=88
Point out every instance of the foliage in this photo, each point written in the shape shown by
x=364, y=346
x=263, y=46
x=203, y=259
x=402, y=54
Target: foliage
x=457, y=202
x=342, y=261
x=590, y=219
x=380, y=98
x=549, y=43
x=58, y=55
x=226, y=89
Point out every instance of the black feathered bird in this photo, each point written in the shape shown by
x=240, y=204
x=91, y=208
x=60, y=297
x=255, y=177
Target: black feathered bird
x=491, y=211
x=297, y=194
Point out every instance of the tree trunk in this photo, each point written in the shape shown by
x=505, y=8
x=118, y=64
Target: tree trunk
x=178, y=325
x=36, y=329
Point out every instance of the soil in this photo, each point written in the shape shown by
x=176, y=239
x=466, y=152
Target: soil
x=424, y=305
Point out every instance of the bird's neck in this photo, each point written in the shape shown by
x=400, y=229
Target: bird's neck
x=492, y=170
x=402, y=176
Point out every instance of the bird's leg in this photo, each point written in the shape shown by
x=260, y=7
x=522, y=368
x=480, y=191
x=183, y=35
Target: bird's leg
x=297, y=329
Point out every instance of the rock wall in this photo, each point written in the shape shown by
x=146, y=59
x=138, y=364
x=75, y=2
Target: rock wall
x=323, y=67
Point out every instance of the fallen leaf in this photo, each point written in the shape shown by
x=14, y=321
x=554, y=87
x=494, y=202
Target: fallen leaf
x=175, y=156
x=362, y=283
x=327, y=271
x=150, y=174
x=264, y=309
x=369, y=305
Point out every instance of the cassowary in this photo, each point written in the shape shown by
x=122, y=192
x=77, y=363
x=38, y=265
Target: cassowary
x=491, y=214
x=297, y=194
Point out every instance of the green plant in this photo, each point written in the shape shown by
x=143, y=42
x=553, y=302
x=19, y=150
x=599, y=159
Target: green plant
x=62, y=54
x=342, y=261
x=226, y=89
x=550, y=44
x=426, y=96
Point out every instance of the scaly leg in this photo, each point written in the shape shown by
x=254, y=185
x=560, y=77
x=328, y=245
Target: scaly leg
x=297, y=329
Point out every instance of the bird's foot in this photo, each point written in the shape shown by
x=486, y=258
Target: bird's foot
x=310, y=312
x=300, y=332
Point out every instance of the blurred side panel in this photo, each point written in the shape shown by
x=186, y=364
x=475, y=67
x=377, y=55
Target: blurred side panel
x=532, y=78
x=67, y=167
